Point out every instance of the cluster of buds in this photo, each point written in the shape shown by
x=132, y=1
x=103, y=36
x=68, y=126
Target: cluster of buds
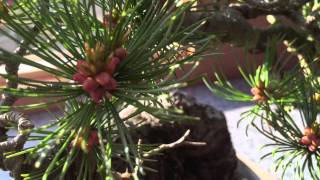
x=258, y=93
x=96, y=72
x=87, y=144
x=310, y=139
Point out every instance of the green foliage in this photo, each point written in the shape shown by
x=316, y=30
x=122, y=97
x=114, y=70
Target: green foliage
x=277, y=92
x=90, y=135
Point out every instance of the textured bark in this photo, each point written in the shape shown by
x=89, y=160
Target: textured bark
x=229, y=23
x=14, y=165
x=24, y=125
x=12, y=69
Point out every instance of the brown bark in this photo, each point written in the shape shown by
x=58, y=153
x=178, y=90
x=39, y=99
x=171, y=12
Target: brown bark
x=24, y=126
x=230, y=24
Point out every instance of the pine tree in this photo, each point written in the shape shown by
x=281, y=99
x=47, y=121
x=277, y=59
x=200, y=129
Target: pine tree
x=108, y=55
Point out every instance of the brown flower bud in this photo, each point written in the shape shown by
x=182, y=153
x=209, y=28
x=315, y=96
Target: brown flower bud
x=112, y=65
x=121, y=53
x=79, y=77
x=315, y=142
x=90, y=84
x=308, y=131
x=97, y=94
x=312, y=148
x=255, y=91
x=305, y=140
x=103, y=78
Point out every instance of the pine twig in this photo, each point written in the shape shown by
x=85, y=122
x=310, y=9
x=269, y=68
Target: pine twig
x=12, y=69
x=24, y=125
x=180, y=142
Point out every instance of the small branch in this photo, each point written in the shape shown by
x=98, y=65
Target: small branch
x=297, y=39
x=251, y=12
x=192, y=143
x=24, y=126
x=277, y=4
x=230, y=25
x=180, y=142
x=12, y=69
x=290, y=10
x=253, y=8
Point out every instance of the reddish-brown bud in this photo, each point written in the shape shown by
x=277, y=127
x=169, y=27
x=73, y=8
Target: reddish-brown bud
x=97, y=94
x=90, y=84
x=83, y=67
x=121, y=53
x=112, y=65
x=79, y=77
x=113, y=85
x=312, y=148
x=305, y=140
x=81, y=63
x=103, y=79
x=315, y=142
x=94, y=138
x=258, y=98
x=86, y=144
x=308, y=131
x=255, y=91
x=10, y=3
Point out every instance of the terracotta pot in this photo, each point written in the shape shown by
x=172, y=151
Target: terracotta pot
x=226, y=60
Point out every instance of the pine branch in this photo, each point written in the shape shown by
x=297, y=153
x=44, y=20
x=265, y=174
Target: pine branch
x=24, y=126
x=291, y=10
x=279, y=5
x=12, y=69
x=231, y=26
x=180, y=142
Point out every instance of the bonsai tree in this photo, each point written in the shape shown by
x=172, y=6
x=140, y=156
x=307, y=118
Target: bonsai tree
x=104, y=57
x=107, y=55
